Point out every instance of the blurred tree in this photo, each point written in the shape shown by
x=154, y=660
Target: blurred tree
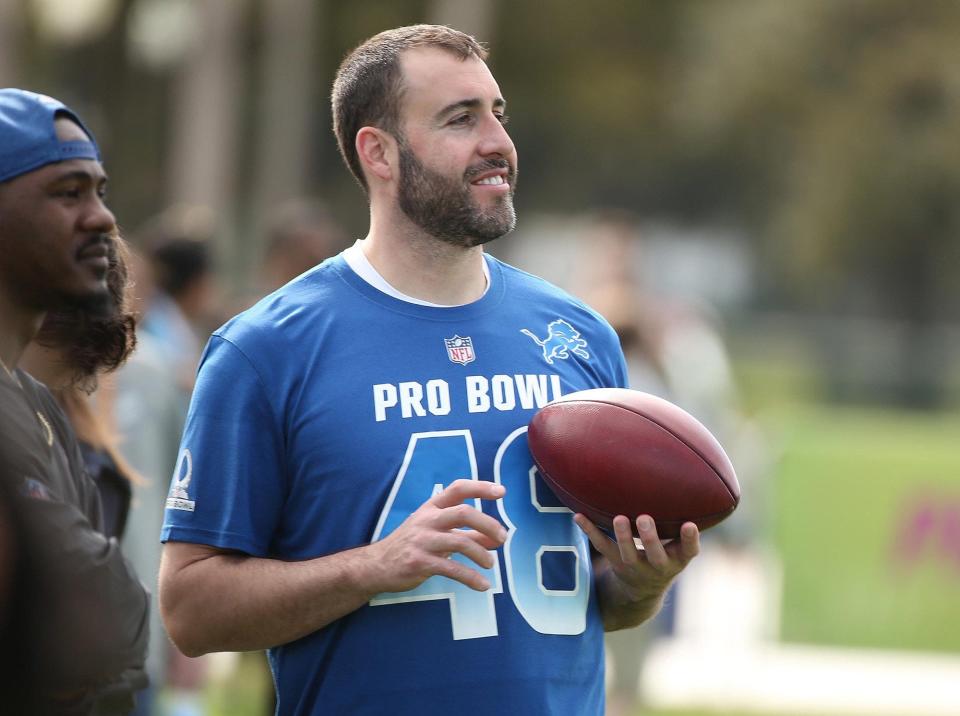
x=11, y=27
x=849, y=112
x=824, y=129
x=587, y=84
x=285, y=100
x=205, y=112
x=471, y=16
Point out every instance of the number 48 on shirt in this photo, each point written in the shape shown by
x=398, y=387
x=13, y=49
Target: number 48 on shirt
x=434, y=460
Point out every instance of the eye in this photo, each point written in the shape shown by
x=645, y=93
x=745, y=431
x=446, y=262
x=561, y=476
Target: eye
x=502, y=118
x=462, y=120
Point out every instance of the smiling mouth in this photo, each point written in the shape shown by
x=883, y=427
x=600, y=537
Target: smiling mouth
x=491, y=172
x=491, y=181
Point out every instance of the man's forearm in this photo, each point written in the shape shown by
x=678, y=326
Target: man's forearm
x=234, y=602
x=214, y=600
x=99, y=615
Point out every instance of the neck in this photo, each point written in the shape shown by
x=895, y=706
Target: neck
x=422, y=266
x=17, y=328
x=47, y=365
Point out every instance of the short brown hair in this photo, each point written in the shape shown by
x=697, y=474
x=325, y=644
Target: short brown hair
x=368, y=86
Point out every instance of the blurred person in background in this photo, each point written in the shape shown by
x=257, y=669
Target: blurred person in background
x=673, y=350
x=177, y=298
x=56, y=242
x=300, y=235
x=673, y=345
x=150, y=397
x=609, y=283
x=312, y=514
x=178, y=247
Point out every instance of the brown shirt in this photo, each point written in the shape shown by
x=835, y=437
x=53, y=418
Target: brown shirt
x=95, y=635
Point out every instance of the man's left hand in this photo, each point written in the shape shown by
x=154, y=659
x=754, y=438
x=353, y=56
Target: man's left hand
x=641, y=574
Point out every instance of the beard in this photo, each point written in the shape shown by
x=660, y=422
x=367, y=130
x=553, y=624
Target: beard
x=41, y=294
x=98, y=305
x=444, y=208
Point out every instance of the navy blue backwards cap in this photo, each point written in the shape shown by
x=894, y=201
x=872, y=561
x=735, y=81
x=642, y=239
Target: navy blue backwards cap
x=28, y=139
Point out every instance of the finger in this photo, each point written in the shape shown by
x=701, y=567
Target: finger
x=625, y=543
x=456, y=542
x=460, y=490
x=482, y=539
x=689, y=541
x=656, y=554
x=462, y=573
x=600, y=541
x=464, y=515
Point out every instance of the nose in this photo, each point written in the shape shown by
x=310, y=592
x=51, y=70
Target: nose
x=98, y=217
x=495, y=140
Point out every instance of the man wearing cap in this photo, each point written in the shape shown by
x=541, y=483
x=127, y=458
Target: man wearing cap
x=55, y=245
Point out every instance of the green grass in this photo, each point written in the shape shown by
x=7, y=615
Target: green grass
x=848, y=488
x=244, y=693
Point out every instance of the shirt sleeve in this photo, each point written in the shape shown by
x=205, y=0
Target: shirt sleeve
x=229, y=483
x=96, y=626
x=102, y=628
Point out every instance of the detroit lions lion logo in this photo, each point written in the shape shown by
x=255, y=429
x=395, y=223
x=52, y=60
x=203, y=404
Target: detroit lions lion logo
x=562, y=340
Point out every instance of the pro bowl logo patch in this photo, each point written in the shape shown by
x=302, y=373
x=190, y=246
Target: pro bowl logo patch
x=35, y=489
x=562, y=340
x=460, y=349
x=179, y=498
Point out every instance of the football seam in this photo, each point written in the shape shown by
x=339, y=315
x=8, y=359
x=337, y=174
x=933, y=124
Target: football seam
x=735, y=498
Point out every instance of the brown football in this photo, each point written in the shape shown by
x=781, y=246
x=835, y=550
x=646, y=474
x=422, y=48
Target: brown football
x=613, y=451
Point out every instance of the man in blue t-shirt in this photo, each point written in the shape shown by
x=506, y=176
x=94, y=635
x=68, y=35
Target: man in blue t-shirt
x=354, y=490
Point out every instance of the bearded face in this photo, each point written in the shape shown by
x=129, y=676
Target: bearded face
x=445, y=207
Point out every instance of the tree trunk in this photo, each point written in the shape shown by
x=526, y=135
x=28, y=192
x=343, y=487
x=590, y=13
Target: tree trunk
x=206, y=114
x=287, y=131
x=474, y=17
x=11, y=28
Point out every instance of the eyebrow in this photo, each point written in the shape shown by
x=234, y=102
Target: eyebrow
x=472, y=103
x=80, y=175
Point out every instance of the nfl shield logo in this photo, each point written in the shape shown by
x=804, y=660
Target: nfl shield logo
x=460, y=350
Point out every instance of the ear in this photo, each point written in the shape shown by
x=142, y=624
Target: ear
x=377, y=151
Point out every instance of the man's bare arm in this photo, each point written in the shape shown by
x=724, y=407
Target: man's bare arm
x=215, y=600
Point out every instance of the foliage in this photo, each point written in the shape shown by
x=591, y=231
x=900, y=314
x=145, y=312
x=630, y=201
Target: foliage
x=825, y=129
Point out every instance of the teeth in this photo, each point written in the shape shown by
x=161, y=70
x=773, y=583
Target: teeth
x=493, y=181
